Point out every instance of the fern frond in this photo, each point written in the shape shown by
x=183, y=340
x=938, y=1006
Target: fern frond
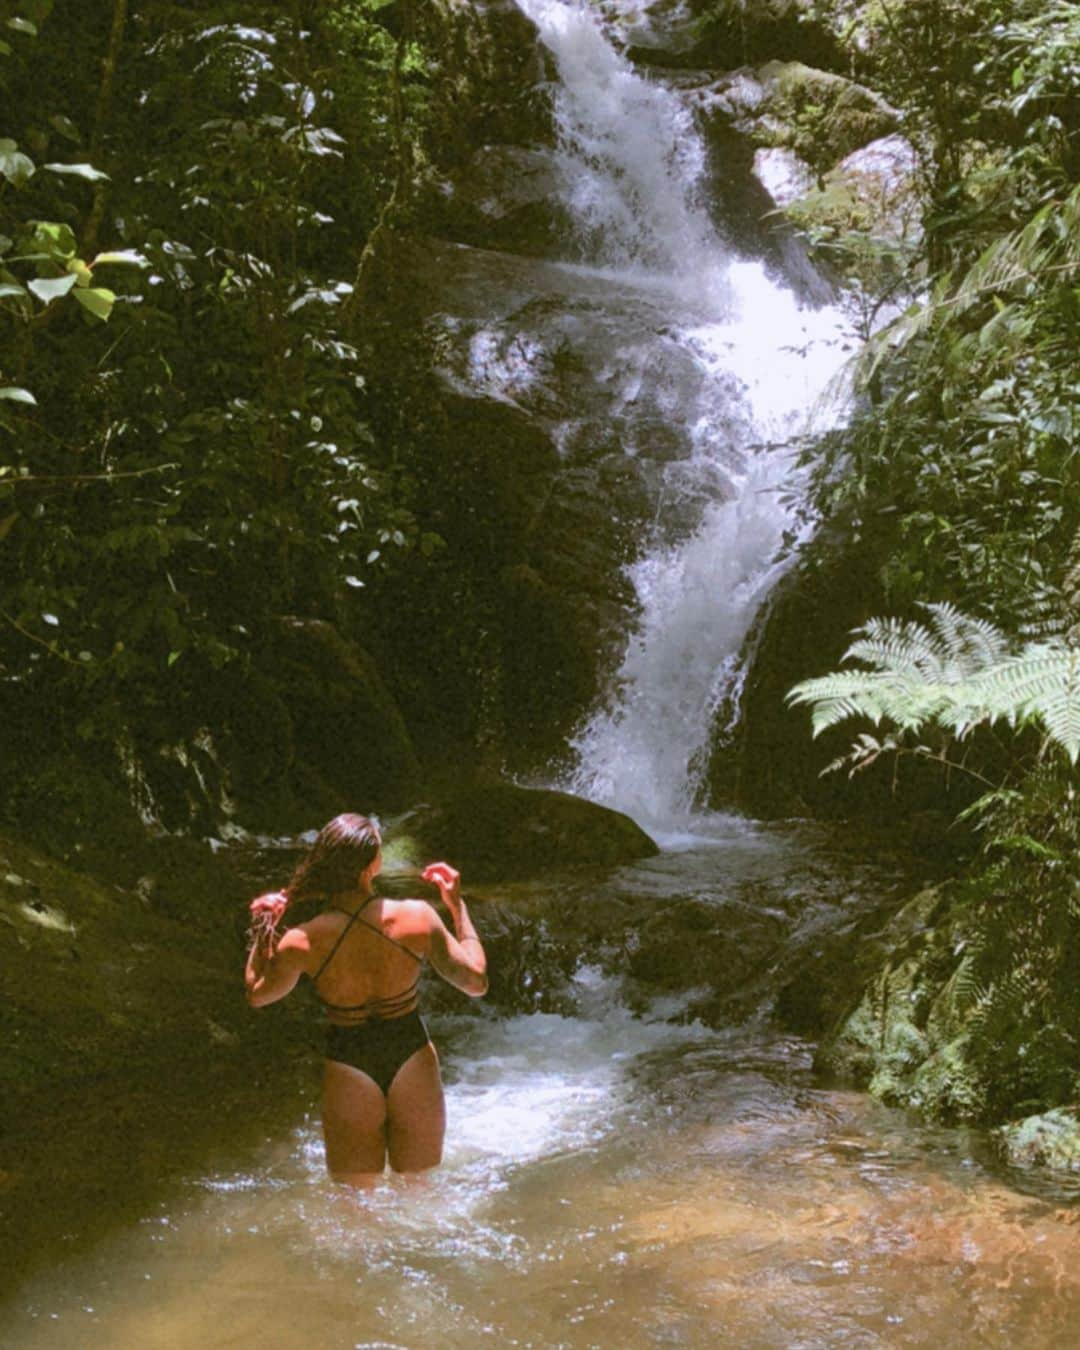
x=955, y=674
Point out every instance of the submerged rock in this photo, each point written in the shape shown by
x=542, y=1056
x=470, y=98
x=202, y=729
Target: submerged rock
x=1048, y=1140
x=501, y=830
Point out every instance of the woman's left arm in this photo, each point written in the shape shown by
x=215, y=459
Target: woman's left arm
x=270, y=974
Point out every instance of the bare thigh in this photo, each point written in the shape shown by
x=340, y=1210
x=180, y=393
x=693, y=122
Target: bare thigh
x=416, y=1113
x=354, y=1124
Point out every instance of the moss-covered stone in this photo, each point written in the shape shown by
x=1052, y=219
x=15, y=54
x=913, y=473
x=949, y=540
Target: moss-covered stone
x=103, y=981
x=821, y=116
x=1048, y=1140
x=501, y=830
x=905, y=1037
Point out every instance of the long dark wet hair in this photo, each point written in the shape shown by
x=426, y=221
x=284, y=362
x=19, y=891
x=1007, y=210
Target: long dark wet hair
x=343, y=849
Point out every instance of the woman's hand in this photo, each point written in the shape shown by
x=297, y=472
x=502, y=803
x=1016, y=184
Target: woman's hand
x=266, y=911
x=273, y=902
x=448, y=880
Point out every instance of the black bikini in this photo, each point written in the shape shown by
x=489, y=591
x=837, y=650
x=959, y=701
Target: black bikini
x=385, y=1032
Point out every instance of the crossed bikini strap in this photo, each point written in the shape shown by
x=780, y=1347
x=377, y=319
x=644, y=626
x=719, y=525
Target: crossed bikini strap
x=354, y=917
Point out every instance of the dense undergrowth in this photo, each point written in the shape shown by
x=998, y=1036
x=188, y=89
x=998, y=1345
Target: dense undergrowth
x=204, y=435
x=960, y=476
x=193, y=202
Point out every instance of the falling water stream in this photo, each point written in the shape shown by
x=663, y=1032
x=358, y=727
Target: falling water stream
x=617, y=1173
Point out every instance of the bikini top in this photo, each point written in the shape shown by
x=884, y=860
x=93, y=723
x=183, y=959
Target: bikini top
x=392, y=1006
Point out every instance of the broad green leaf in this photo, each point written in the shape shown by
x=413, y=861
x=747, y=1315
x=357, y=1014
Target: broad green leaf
x=16, y=395
x=48, y=289
x=98, y=301
x=86, y=171
x=14, y=165
x=128, y=257
x=23, y=26
x=55, y=236
x=11, y=288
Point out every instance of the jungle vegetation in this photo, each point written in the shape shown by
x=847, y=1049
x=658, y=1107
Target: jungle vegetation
x=198, y=435
x=961, y=472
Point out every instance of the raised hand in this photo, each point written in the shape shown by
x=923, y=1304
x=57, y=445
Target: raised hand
x=272, y=902
x=448, y=880
x=266, y=911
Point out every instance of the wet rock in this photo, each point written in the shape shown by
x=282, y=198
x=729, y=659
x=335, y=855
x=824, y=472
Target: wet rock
x=694, y=945
x=783, y=175
x=510, y=198
x=347, y=726
x=568, y=405
x=530, y=965
x=501, y=830
x=819, y=115
x=1048, y=1140
x=684, y=33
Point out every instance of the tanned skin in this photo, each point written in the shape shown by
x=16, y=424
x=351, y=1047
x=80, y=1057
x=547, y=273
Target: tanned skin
x=363, y=1128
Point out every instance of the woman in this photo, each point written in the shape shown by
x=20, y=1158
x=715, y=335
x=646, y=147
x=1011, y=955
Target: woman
x=382, y=1094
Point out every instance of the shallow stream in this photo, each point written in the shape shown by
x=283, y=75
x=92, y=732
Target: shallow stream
x=610, y=1179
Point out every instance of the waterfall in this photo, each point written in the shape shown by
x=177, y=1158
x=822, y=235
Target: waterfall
x=634, y=163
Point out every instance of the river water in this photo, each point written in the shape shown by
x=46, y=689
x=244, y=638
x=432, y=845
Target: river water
x=611, y=1177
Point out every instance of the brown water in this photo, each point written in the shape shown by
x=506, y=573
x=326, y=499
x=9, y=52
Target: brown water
x=610, y=1180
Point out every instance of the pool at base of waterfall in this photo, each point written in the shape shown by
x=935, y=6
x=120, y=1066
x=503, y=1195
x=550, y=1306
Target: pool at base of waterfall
x=610, y=1178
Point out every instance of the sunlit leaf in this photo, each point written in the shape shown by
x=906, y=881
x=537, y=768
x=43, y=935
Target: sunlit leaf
x=16, y=395
x=128, y=257
x=48, y=289
x=14, y=165
x=23, y=26
x=11, y=288
x=79, y=270
x=86, y=171
x=98, y=301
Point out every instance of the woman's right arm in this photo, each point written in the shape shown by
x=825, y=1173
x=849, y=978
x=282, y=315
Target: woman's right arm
x=459, y=957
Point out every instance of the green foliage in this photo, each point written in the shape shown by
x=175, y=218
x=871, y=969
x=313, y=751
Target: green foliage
x=953, y=675
x=190, y=448
x=961, y=467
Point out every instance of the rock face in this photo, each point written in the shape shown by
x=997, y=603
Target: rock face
x=819, y=115
x=500, y=830
x=319, y=733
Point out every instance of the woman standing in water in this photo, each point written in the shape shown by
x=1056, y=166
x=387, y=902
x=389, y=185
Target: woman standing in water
x=382, y=1094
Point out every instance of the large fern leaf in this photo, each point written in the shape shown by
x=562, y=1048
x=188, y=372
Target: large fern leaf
x=954, y=673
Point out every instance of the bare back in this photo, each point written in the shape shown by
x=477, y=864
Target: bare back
x=359, y=961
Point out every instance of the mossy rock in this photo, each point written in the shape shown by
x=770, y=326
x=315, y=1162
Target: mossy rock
x=347, y=728
x=904, y=1038
x=823, y=117
x=503, y=831
x=1048, y=1140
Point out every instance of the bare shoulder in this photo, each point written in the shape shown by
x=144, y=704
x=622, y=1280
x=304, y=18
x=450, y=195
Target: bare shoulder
x=415, y=916
x=296, y=940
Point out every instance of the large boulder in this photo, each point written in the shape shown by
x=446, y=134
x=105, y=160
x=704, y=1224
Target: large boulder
x=350, y=746
x=503, y=831
x=1048, y=1140
x=673, y=33
x=821, y=116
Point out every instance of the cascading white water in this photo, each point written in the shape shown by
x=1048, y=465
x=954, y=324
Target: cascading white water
x=634, y=161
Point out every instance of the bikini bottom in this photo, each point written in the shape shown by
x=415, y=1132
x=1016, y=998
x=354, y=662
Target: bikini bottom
x=377, y=1046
